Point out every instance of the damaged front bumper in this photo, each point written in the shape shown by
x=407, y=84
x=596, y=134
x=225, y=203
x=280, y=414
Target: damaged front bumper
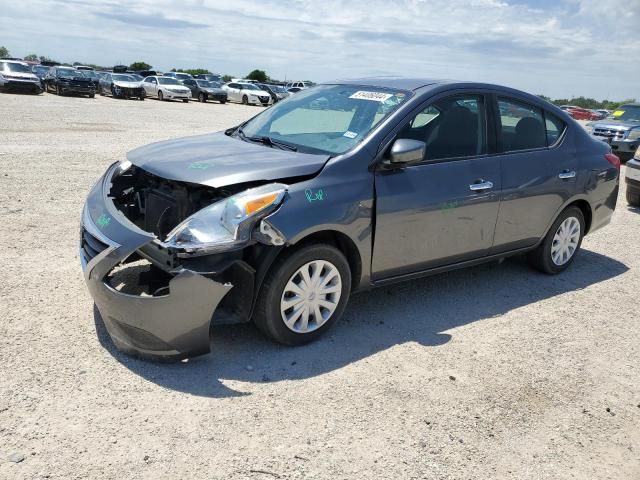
x=173, y=322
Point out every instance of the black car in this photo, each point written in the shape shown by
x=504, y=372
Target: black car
x=121, y=85
x=147, y=73
x=277, y=92
x=205, y=90
x=94, y=77
x=68, y=80
x=40, y=71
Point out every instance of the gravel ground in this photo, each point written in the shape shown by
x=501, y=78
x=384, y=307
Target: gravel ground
x=492, y=372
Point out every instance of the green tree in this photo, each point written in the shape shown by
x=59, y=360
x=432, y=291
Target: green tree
x=4, y=52
x=31, y=57
x=191, y=71
x=258, y=75
x=227, y=78
x=139, y=66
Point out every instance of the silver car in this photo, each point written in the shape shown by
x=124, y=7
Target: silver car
x=165, y=88
x=247, y=94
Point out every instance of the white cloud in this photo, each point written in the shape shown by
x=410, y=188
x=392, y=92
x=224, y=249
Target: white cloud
x=575, y=47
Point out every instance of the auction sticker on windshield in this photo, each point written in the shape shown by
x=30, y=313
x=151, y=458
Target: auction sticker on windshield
x=375, y=96
x=618, y=113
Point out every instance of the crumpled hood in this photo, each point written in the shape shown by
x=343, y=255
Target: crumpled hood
x=123, y=84
x=217, y=160
x=614, y=124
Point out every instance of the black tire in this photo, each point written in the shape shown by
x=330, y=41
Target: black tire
x=633, y=198
x=113, y=92
x=541, y=258
x=59, y=91
x=624, y=156
x=223, y=102
x=141, y=99
x=185, y=100
x=267, y=314
x=202, y=98
x=92, y=95
x=245, y=100
x=160, y=95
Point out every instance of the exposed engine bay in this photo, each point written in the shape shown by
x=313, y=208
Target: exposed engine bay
x=158, y=205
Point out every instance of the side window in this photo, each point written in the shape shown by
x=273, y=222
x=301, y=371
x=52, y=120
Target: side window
x=554, y=127
x=454, y=127
x=521, y=126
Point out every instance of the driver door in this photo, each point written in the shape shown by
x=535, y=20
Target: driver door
x=442, y=210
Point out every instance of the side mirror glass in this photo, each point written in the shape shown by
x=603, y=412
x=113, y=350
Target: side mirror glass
x=406, y=150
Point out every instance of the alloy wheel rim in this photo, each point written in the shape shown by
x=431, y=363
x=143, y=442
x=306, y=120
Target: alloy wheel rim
x=311, y=296
x=565, y=241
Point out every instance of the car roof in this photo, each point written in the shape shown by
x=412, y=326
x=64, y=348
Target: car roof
x=15, y=61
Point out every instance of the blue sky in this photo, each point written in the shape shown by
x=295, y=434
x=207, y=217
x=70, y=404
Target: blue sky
x=558, y=48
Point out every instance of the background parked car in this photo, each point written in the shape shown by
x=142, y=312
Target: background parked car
x=166, y=88
x=17, y=76
x=181, y=77
x=204, y=90
x=579, y=113
x=93, y=76
x=40, y=71
x=621, y=130
x=147, y=73
x=247, y=93
x=300, y=85
x=277, y=92
x=121, y=85
x=212, y=77
x=293, y=90
x=65, y=80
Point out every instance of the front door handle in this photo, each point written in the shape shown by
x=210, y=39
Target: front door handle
x=566, y=174
x=480, y=185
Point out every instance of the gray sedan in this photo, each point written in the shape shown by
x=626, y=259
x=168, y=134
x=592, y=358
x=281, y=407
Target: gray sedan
x=343, y=187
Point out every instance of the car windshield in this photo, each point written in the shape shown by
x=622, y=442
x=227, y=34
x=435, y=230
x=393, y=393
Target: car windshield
x=628, y=113
x=168, y=81
x=18, y=68
x=277, y=88
x=248, y=86
x=70, y=73
x=136, y=77
x=205, y=84
x=90, y=74
x=123, y=78
x=328, y=119
x=183, y=76
x=40, y=69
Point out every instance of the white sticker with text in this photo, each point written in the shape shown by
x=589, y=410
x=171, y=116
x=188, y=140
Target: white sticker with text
x=350, y=134
x=375, y=96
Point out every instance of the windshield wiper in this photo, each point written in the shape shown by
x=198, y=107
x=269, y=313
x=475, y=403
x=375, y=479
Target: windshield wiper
x=270, y=142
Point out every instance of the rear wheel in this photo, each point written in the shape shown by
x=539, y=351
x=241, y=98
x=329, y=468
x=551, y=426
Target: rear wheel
x=559, y=248
x=160, y=95
x=245, y=100
x=633, y=198
x=185, y=100
x=201, y=97
x=304, y=294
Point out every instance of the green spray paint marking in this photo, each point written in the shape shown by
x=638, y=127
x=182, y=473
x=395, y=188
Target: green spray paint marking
x=103, y=220
x=312, y=197
x=199, y=166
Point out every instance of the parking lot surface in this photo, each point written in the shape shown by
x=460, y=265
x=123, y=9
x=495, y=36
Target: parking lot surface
x=491, y=372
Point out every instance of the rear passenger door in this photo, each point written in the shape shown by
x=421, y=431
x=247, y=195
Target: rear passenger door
x=538, y=172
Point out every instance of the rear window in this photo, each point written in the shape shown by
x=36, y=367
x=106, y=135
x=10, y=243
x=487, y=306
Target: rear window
x=521, y=126
x=554, y=127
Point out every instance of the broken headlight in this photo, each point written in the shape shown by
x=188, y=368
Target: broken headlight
x=228, y=223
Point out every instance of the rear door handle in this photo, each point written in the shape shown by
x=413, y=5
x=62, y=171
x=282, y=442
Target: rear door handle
x=566, y=174
x=480, y=185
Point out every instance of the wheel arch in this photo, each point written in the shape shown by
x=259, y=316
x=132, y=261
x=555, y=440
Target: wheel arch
x=580, y=202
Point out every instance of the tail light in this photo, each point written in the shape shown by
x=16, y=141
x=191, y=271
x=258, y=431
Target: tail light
x=613, y=160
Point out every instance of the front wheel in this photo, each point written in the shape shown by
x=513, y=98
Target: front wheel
x=304, y=294
x=633, y=198
x=160, y=95
x=201, y=98
x=559, y=248
x=185, y=100
x=245, y=100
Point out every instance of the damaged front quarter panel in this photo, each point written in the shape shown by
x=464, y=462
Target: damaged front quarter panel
x=174, y=324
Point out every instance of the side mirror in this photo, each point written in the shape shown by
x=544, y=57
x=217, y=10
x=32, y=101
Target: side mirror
x=406, y=150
